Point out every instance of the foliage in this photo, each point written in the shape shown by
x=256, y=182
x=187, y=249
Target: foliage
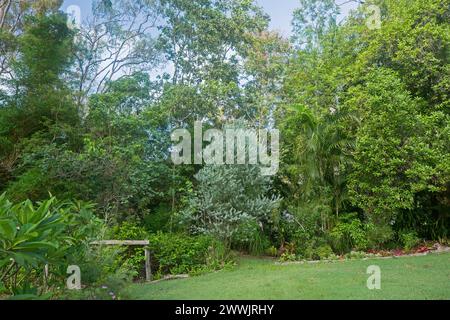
x=378, y=235
x=29, y=236
x=313, y=21
x=250, y=237
x=356, y=255
x=132, y=259
x=324, y=251
x=196, y=34
x=349, y=233
x=35, y=235
x=409, y=239
x=303, y=230
x=87, y=113
x=159, y=219
x=103, y=278
x=227, y=198
x=179, y=254
x=288, y=257
x=38, y=109
x=393, y=160
x=360, y=134
x=271, y=251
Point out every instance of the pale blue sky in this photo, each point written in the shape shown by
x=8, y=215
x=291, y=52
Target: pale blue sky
x=280, y=11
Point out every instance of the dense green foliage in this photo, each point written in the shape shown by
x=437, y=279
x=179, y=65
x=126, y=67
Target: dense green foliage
x=366, y=124
x=86, y=115
x=32, y=236
x=180, y=254
x=230, y=199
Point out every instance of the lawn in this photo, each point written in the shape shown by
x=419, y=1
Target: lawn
x=425, y=277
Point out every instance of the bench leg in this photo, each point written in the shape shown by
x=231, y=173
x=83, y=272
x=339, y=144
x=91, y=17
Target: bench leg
x=148, y=266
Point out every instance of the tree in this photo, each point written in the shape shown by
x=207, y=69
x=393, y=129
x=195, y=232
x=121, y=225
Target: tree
x=319, y=158
x=329, y=80
x=205, y=42
x=313, y=21
x=203, y=39
x=117, y=40
x=265, y=67
x=394, y=158
x=38, y=105
x=13, y=14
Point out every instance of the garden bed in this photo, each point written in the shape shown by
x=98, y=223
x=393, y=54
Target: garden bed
x=378, y=254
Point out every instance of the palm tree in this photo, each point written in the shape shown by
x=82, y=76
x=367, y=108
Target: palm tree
x=323, y=154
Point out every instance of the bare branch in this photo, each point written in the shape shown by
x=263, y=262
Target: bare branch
x=111, y=45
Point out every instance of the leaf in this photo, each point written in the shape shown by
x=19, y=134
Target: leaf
x=7, y=229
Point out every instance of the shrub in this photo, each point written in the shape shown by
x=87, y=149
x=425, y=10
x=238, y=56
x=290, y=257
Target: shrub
x=324, y=251
x=133, y=258
x=301, y=240
x=316, y=251
x=409, y=239
x=228, y=198
x=28, y=237
x=250, y=237
x=158, y=219
x=171, y=253
x=288, y=257
x=378, y=235
x=111, y=287
x=179, y=254
x=103, y=275
x=288, y=252
x=303, y=228
x=356, y=255
x=32, y=185
x=309, y=249
x=219, y=256
x=349, y=233
x=33, y=235
x=271, y=251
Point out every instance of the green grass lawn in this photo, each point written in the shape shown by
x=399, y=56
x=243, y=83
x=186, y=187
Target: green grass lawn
x=426, y=277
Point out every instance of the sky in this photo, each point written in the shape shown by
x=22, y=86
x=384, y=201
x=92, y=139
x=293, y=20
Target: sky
x=280, y=11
